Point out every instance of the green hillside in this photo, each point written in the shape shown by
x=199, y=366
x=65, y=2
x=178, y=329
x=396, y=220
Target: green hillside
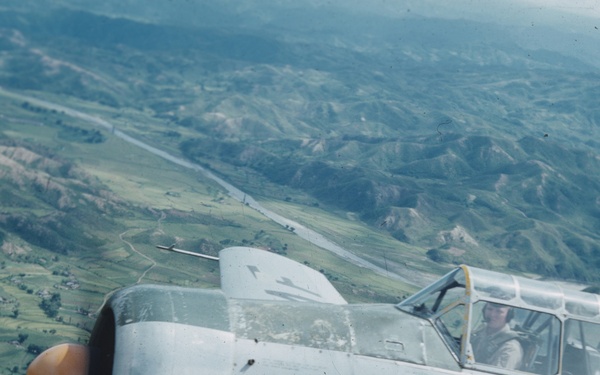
x=396, y=138
x=77, y=222
x=416, y=151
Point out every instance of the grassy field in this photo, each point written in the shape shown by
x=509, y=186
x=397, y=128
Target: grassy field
x=167, y=204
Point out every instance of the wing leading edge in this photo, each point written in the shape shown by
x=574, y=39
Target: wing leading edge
x=249, y=273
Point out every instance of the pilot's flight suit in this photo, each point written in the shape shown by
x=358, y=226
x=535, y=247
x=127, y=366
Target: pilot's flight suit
x=501, y=349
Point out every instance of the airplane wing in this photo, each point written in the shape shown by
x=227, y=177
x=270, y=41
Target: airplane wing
x=249, y=273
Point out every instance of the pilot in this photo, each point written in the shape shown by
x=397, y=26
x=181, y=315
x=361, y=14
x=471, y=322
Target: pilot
x=496, y=343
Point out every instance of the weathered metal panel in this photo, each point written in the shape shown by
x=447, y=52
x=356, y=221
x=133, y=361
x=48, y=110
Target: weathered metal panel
x=314, y=325
x=380, y=331
x=248, y=273
x=264, y=358
x=159, y=348
x=182, y=328
x=147, y=303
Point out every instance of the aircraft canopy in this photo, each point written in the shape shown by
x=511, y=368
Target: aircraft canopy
x=552, y=324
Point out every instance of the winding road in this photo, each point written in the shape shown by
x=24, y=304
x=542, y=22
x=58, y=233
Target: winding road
x=302, y=231
x=152, y=261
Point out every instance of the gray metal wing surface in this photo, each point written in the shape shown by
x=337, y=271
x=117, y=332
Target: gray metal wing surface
x=250, y=273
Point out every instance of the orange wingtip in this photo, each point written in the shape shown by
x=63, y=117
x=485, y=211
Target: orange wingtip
x=63, y=359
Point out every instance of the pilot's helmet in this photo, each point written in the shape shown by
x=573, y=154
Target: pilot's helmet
x=498, y=293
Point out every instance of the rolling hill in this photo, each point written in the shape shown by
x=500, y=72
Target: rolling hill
x=425, y=136
x=415, y=141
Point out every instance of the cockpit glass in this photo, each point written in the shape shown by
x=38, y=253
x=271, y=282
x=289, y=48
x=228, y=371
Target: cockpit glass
x=583, y=304
x=581, y=348
x=540, y=295
x=437, y=298
x=493, y=284
x=451, y=324
x=514, y=338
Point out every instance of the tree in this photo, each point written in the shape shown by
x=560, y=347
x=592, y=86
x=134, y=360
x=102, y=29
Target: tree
x=34, y=349
x=51, y=305
x=22, y=337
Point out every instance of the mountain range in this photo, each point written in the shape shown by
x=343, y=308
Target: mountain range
x=453, y=135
